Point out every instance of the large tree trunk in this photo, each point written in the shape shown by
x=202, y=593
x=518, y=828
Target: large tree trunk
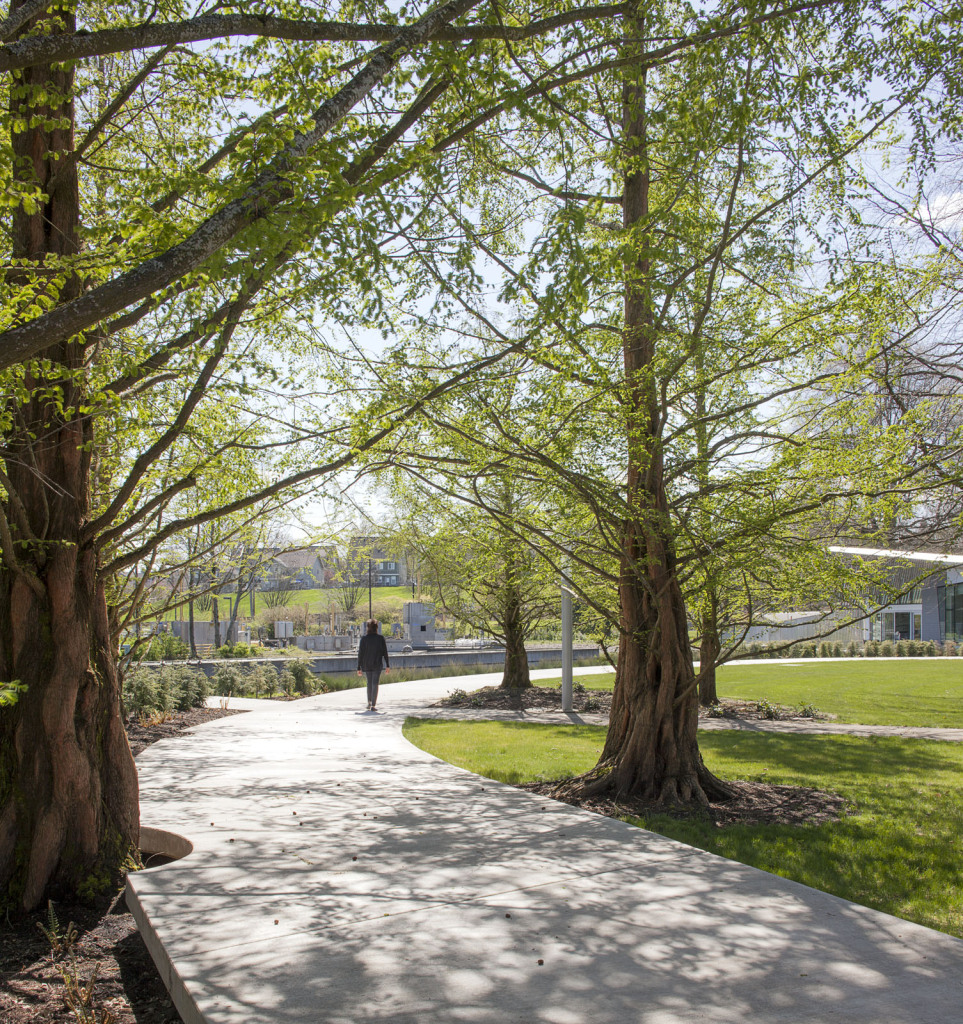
x=68, y=786
x=516, y=673
x=651, y=751
x=709, y=647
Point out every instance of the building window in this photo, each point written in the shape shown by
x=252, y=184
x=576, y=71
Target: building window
x=953, y=612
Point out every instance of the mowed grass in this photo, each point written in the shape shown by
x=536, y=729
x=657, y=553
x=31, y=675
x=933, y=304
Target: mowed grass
x=917, y=691
x=318, y=600
x=901, y=851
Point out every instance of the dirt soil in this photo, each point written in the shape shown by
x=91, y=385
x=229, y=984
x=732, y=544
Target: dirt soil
x=113, y=979
x=753, y=803
x=544, y=698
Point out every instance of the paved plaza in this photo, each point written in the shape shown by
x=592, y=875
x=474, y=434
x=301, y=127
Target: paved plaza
x=340, y=875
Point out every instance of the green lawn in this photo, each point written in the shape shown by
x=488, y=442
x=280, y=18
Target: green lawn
x=917, y=691
x=317, y=600
x=901, y=851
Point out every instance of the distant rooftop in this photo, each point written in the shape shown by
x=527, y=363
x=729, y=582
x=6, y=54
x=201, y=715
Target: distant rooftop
x=299, y=558
x=936, y=557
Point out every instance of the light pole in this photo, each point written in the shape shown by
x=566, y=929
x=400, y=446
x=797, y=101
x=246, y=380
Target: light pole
x=370, y=616
x=566, y=646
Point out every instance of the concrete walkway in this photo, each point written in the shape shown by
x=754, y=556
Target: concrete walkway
x=340, y=875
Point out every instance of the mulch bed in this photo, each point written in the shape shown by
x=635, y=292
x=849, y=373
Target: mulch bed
x=141, y=735
x=531, y=698
x=753, y=803
x=127, y=988
x=544, y=698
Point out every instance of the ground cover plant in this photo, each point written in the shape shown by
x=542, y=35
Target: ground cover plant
x=913, y=693
x=889, y=852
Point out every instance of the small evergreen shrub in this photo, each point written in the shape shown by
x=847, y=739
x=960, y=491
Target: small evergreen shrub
x=228, y=681
x=852, y=651
x=287, y=681
x=237, y=651
x=303, y=677
x=902, y=650
x=887, y=650
x=931, y=651
x=151, y=692
x=837, y=650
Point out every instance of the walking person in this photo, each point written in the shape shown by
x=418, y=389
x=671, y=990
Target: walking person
x=372, y=651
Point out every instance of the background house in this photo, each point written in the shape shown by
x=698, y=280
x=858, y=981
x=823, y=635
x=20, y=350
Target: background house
x=297, y=569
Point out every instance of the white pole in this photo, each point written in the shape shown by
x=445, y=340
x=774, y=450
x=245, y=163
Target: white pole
x=566, y=646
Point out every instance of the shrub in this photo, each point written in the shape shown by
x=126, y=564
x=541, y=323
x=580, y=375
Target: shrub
x=930, y=649
x=949, y=649
x=825, y=650
x=271, y=680
x=150, y=692
x=303, y=677
x=852, y=651
x=262, y=678
x=901, y=649
x=191, y=688
x=837, y=650
x=166, y=647
x=228, y=681
x=237, y=651
x=142, y=693
x=887, y=650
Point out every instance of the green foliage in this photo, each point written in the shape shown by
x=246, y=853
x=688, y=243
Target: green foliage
x=303, y=677
x=61, y=942
x=11, y=692
x=227, y=680
x=238, y=651
x=766, y=708
x=165, y=647
x=156, y=691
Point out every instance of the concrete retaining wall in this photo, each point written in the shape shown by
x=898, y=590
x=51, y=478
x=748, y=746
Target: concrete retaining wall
x=486, y=660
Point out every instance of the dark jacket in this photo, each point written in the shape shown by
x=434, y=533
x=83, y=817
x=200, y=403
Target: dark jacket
x=371, y=650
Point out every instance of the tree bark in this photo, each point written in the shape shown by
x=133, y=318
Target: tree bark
x=709, y=647
x=216, y=620
x=68, y=786
x=516, y=674
x=651, y=751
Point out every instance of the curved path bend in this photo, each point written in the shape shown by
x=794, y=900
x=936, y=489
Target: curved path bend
x=340, y=875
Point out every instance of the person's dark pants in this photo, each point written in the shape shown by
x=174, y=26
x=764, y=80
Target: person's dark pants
x=373, y=674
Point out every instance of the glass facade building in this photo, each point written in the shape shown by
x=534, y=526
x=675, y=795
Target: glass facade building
x=950, y=602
